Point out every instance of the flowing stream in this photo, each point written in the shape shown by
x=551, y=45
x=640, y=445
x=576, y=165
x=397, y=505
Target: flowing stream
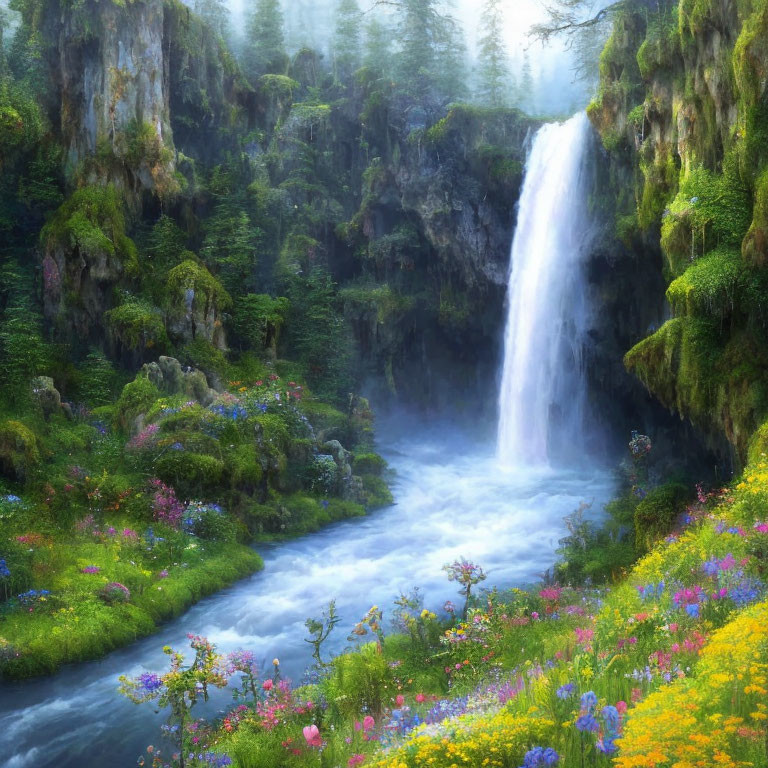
x=455, y=497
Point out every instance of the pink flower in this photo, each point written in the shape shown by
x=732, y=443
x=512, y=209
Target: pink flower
x=356, y=760
x=621, y=707
x=267, y=685
x=535, y=615
x=312, y=736
x=399, y=700
x=420, y=698
x=368, y=723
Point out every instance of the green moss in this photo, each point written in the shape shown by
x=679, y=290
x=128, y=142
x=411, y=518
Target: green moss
x=193, y=475
x=660, y=179
x=710, y=211
x=137, y=325
x=755, y=245
x=278, y=86
x=750, y=54
x=378, y=300
x=711, y=286
x=717, y=381
x=369, y=464
x=19, y=452
x=92, y=221
x=193, y=276
x=324, y=417
x=377, y=493
x=136, y=398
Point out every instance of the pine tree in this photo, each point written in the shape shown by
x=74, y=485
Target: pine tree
x=426, y=36
x=216, y=14
x=452, y=67
x=265, y=42
x=346, y=39
x=493, y=64
x=378, y=47
x=526, y=85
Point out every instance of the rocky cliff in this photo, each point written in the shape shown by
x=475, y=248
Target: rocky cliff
x=682, y=111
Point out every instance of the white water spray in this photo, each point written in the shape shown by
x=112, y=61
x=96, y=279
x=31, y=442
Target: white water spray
x=542, y=396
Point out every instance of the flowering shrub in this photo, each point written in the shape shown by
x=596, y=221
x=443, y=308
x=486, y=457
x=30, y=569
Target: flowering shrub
x=166, y=508
x=466, y=574
x=114, y=592
x=501, y=739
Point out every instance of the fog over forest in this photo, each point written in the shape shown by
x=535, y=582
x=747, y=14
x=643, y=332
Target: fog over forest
x=557, y=89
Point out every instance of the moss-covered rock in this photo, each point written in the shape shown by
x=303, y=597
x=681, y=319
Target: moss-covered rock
x=19, y=451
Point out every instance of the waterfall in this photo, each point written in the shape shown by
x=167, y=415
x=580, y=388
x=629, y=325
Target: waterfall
x=542, y=397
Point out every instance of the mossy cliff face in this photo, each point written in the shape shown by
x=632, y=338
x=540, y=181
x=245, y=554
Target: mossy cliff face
x=682, y=111
x=280, y=185
x=434, y=225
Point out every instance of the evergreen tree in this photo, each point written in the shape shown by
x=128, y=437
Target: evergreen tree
x=493, y=64
x=264, y=49
x=346, y=39
x=526, y=95
x=216, y=14
x=452, y=66
x=425, y=35
x=378, y=47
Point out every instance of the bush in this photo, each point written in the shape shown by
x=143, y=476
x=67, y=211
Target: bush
x=215, y=526
x=114, y=592
x=369, y=464
x=377, y=493
x=657, y=513
x=191, y=474
x=360, y=682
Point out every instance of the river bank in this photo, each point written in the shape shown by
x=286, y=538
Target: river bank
x=447, y=506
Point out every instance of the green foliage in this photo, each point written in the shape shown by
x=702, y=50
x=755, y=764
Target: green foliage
x=376, y=492
x=192, y=276
x=317, y=334
x=92, y=222
x=265, y=43
x=493, y=64
x=192, y=474
x=346, y=47
x=97, y=379
x=137, y=325
x=19, y=452
x=257, y=320
x=24, y=353
x=657, y=513
x=136, y=399
x=369, y=464
x=212, y=526
x=359, y=682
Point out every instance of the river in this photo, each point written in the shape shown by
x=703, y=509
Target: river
x=453, y=500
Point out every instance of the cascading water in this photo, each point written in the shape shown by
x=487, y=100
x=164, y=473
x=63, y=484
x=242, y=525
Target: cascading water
x=450, y=504
x=542, y=395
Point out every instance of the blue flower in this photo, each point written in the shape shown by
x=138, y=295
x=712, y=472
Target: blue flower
x=692, y=610
x=588, y=701
x=4, y=570
x=565, y=691
x=587, y=723
x=539, y=756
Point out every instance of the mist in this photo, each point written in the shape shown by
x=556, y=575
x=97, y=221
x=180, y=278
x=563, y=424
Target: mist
x=557, y=89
